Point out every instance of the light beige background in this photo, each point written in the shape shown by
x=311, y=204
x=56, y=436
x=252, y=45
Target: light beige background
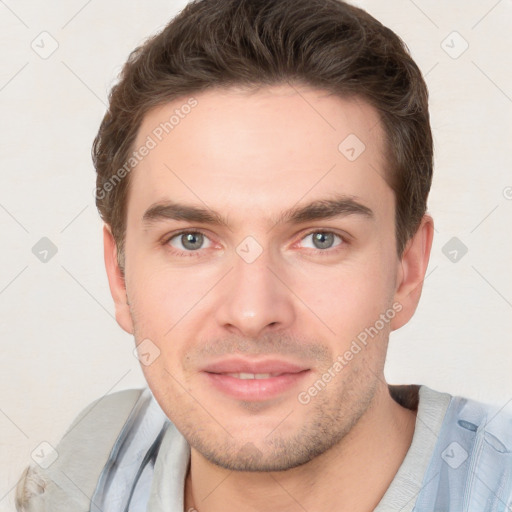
x=61, y=347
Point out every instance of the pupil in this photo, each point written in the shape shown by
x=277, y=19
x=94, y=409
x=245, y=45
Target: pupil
x=323, y=240
x=192, y=240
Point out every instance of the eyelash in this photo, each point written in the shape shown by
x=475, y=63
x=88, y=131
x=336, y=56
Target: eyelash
x=323, y=252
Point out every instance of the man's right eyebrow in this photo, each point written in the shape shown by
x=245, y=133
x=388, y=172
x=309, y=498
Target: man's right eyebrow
x=168, y=210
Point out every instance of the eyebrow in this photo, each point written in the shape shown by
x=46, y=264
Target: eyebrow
x=168, y=210
x=339, y=206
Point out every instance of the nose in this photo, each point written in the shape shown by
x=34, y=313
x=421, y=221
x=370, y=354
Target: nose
x=255, y=298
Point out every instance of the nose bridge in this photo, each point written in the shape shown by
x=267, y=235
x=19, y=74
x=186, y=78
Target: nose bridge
x=254, y=299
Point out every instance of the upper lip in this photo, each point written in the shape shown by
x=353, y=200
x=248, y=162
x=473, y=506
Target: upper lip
x=240, y=365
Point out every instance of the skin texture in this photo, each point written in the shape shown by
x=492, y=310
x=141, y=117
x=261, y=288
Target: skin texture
x=250, y=157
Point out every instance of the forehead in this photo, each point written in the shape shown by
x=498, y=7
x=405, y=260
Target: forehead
x=259, y=151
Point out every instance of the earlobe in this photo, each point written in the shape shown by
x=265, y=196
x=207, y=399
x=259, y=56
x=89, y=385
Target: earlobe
x=116, y=281
x=411, y=275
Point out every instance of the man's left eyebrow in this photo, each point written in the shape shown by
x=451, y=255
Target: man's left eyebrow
x=326, y=209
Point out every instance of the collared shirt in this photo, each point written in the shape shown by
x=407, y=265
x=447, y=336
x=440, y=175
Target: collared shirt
x=171, y=465
x=122, y=454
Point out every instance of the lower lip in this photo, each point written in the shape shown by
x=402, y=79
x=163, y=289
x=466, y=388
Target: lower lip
x=255, y=389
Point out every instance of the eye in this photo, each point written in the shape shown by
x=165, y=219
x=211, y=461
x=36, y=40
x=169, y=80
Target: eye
x=189, y=241
x=321, y=240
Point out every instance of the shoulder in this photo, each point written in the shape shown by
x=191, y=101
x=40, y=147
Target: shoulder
x=476, y=424
x=491, y=421
x=78, y=458
x=472, y=459
x=107, y=410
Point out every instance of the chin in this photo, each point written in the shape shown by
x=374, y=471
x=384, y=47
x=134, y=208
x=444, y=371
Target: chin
x=270, y=454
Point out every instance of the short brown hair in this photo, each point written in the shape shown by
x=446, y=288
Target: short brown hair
x=326, y=44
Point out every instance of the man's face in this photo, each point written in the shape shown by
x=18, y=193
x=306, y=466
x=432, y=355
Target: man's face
x=261, y=266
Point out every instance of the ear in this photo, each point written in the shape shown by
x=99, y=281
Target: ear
x=116, y=281
x=411, y=272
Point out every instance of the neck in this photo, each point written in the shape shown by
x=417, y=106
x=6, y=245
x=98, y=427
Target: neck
x=352, y=476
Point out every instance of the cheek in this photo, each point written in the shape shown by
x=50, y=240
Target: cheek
x=168, y=307
x=346, y=299
x=161, y=296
